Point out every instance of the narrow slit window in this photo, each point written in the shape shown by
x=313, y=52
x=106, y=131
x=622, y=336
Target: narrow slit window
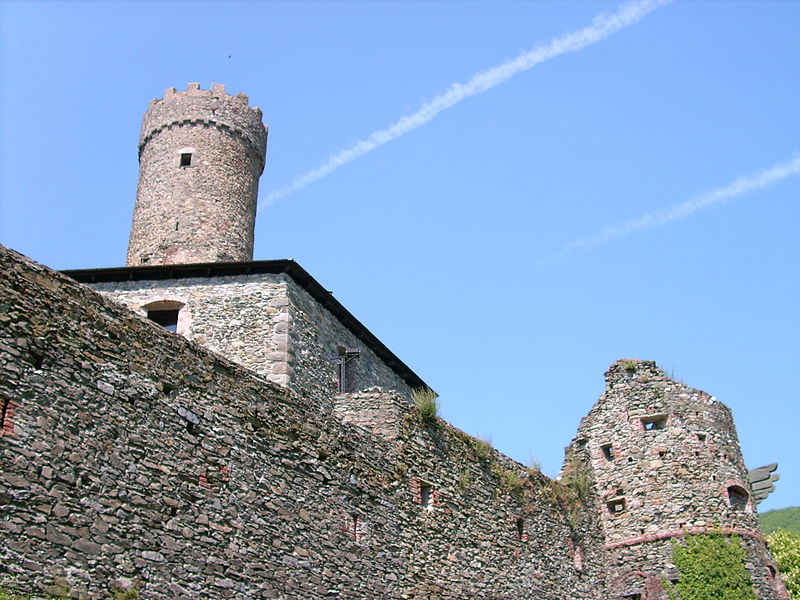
x=186, y=159
x=426, y=496
x=168, y=319
x=521, y=530
x=345, y=369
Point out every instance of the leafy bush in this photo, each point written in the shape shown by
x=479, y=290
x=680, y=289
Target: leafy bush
x=785, y=548
x=711, y=565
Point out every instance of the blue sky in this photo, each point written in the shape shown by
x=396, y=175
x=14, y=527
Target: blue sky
x=455, y=243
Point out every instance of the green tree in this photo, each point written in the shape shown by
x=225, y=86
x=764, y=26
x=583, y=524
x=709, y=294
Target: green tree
x=711, y=568
x=785, y=548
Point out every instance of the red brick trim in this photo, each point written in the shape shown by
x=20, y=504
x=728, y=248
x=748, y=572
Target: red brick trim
x=669, y=534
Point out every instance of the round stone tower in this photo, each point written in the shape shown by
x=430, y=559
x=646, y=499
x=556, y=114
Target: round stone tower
x=664, y=462
x=201, y=153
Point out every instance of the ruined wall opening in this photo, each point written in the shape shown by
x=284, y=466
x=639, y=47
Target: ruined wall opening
x=738, y=497
x=521, y=529
x=186, y=159
x=616, y=503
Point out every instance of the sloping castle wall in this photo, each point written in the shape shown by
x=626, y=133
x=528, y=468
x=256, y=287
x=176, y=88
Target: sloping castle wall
x=129, y=453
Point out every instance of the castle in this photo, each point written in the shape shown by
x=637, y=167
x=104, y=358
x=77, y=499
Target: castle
x=201, y=425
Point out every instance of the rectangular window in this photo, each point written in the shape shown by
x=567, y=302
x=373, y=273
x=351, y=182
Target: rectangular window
x=616, y=505
x=345, y=369
x=426, y=496
x=168, y=319
x=654, y=423
x=186, y=159
x=608, y=451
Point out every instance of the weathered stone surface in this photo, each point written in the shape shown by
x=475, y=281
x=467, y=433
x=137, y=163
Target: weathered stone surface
x=270, y=495
x=203, y=211
x=662, y=458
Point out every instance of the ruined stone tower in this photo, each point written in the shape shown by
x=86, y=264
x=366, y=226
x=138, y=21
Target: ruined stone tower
x=664, y=461
x=201, y=153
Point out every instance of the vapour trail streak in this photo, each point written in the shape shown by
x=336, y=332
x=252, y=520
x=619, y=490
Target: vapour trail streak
x=760, y=180
x=601, y=27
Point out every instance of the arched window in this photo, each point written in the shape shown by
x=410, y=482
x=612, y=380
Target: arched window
x=738, y=497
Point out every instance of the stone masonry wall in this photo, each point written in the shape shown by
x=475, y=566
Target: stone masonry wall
x=661, y=457
x=315, y=336
x=130, y=454
x=203, y=211
x=266, y=323
x=242, y=317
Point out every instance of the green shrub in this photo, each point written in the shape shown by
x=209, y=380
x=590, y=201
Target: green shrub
x=785, y=548
x=711, y=565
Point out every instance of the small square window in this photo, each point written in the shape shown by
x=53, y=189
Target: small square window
x=186, y=159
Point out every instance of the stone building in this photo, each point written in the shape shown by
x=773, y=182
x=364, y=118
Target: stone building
x=201, y=425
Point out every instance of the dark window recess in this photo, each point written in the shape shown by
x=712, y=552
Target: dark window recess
x=168, y=319
x=521, y=529
x=701, y=437
x=654, y=423
x=346, y=369
x=608, y=451
x=616, y=504
x=186, y=159
x=581, y=444
x=632, y=597
x=426, y=495
x=7, y=413
x=738, y=497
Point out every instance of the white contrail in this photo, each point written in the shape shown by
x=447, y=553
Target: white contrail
x=749, y=183
x=601, y=27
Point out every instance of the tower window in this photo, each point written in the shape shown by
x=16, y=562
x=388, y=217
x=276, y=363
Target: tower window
x=608, y=451
x=186, y=159
x=654, y=423
x=168, y=319
x=737, y=497
x=616, y=504
x=426, y=496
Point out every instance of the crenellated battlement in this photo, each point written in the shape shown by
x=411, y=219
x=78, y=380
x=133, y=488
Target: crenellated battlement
x=207, y=108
